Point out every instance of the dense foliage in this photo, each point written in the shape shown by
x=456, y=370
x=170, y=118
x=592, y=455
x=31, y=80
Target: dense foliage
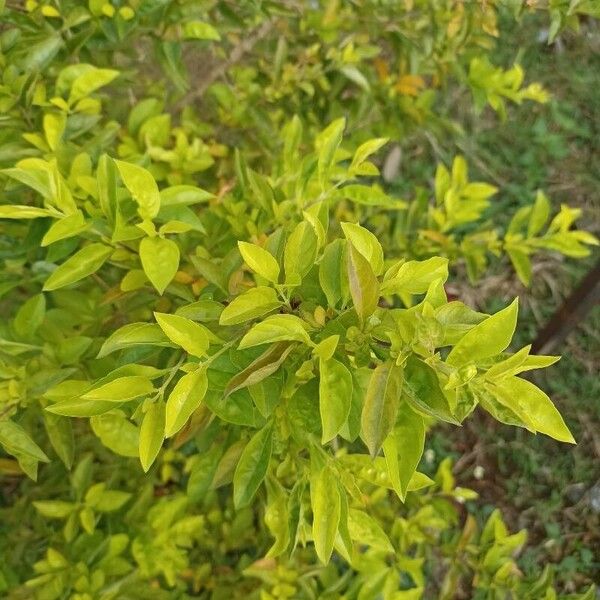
x=225, y=339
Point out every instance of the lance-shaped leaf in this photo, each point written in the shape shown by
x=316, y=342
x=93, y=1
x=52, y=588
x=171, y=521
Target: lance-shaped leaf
x=54, y=128
x=381, y=405
x=117, y=433
x=261, y=368
x=300, y=252
x=55, y=509
x=183, y=195
x=534, y=406
x=60, y=434
x=278, y=328
x=83, y=263
x=365, y=530
x=326, y=507
x=488, y=338
x=202, y=474
x=199, y=30
x=17, y=211
x=328, y=142
x=152, y=434
x=62, y=229
x=121, y=389
x=89, y=80
x=423, y=392
x=403, y=449
x=191, y=336
x=456, y=319
x=30, y=316
x=364, y=287
x=15, y=440
x=332, y=273
x=366, y=149
x=142, y=187
x=376, y=471
x=107, y=187
x=518, y=363
x=343, y=539
x=277, y=518
x=366, y=243
x=415, y=276
x=369, y=195
x=261, y=261
x=134, y=334
x=35, y=178
x=540, y=213
x=184, y=400
x=335, y=397
x=252, y=466
x=292, y=138
x=77, y=407
x=256, y=302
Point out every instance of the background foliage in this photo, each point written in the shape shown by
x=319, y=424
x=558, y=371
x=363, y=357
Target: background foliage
x=181, y=185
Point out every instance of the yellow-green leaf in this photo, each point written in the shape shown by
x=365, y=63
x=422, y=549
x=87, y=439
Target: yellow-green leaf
x=488, y=338
x=366, y=243
x=15, y=439
x=152, y=433
x=142, y=187
x=403, y=449
x=335, y=397
x=380, y=406
x=365, y=530
x=261, y=261
x=60, y=434
x=30, y=316
x=184, y=400
x=261, y=368
x=277, y=328
x=252, y=466
x=415, y=276
x=300, y=252
x=83, y=263
x=54, y=509
x=326, y=506
x=65, y=228
x=366, y=149
x=134, y=334
x=200, y=30
x=89, y=81
x=328, y=142
x=191, y=336
x=423, y=392
x=528, y=401
x=364, y=287
x=160, y=261
x=116, y=432
x=121, y=389
x=256, y=302
x=54, y=127
x=16, y=211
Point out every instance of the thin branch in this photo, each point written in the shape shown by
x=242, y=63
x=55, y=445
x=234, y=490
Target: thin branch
x=219, y=70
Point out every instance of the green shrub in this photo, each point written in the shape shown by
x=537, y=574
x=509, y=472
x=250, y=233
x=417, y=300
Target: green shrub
x=219, y=381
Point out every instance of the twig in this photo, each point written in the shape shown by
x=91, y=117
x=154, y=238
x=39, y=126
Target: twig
x=466, y=459
x=499, y=181
x=219, y=70
x=435, y=146
x=574, y=309
x=591, y=432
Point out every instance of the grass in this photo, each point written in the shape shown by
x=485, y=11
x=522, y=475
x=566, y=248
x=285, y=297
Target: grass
x=538, y=483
